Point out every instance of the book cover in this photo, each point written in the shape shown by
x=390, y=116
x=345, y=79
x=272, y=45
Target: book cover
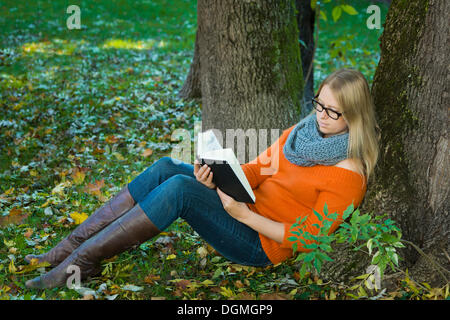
x=227, y=172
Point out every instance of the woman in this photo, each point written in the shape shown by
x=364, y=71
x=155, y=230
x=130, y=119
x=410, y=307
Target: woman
x=325, y=158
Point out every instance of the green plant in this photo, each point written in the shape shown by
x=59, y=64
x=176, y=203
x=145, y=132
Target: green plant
x=362, y=230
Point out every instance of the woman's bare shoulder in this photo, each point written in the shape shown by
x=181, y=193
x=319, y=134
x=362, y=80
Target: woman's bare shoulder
x=350, y=164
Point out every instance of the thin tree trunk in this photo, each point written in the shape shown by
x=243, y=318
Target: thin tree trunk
x=191, y=88
x=305, y=22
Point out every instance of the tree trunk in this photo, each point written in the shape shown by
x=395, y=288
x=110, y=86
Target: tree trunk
x=410, y=90
x=305, y=23
x=251, y=74
x=191, y=88
x=247, y=65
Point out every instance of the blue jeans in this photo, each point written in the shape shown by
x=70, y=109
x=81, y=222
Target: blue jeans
x=168, y=190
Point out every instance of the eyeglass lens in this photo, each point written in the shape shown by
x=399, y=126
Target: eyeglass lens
x=331, y=113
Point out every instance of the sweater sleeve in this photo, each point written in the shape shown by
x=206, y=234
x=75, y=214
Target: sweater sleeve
x=266, y=164
x=336, y=203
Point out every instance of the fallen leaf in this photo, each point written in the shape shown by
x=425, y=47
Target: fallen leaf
x=15, y=212
x=151, y=278
x=78, y=177
x=98, y=150
x=95, y=189
x=245, y=296
x=275, y=296
x=238, y=284
x=147, y=152
x=12, y=268
x=9, y=191
x=118, y=156
x=14, y=219
x=111, y=139
x=202, y=252
x=48, y=211
x=131, y=287
x=207, y=283
x=182, y=284
x=78, y=218
x=59, y=189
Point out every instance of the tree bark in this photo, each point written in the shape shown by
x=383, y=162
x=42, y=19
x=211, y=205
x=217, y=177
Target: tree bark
x=250, y=66
x=305, y=22
x=410, y=91
x=191, y=88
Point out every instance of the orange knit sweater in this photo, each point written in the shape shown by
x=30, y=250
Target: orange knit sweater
x=285, y=191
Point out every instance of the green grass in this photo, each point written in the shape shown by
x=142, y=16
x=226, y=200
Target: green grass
x=95, y=99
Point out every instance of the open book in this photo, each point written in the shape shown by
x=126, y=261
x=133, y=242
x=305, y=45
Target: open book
x=227, y=172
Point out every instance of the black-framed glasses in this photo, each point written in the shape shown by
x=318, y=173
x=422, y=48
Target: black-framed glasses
x=330, y=112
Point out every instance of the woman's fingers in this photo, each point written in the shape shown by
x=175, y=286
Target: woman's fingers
x=200, y=172
x=209, y=179
x=196, y=166
x=205, y=173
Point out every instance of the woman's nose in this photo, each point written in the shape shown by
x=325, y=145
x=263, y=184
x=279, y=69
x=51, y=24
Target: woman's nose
x=323, y=114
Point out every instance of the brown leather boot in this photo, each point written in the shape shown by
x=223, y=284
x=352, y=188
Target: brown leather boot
x=133, y=228
x=110, y=211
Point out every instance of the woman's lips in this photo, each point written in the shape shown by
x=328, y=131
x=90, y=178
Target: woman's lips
x=322, y=124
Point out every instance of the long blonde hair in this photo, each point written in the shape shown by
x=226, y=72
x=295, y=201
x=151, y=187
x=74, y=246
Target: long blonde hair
x=351, y=90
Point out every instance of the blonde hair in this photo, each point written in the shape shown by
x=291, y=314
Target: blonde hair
x=351, y=91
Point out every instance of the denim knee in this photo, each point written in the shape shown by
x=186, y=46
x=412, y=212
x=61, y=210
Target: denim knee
x=163, y=163
x=169, y=201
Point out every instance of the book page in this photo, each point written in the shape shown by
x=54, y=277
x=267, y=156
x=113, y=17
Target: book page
x=207, y=141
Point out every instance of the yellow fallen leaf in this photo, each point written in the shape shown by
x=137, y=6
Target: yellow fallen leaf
x=33, y=173
x=34, y=264
x=142, y=144
x=78, y=218
x=78, y=177
x=8, y=243
x=207, y=283
x=118, y=156
x=202, y=252
x=60, y=187
x=10, y=190
x=226, y=292
x=46, y=203
x=171, y=256
x=332, y=295
x=5, y=289
x=12, y=268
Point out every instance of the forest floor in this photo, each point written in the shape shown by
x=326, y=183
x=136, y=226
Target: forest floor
x=85, y=111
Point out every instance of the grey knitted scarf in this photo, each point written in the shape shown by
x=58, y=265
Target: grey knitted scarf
x=306, y=147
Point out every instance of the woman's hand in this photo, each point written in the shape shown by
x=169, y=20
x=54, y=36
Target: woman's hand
x=236, y=209
x=203, y=174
